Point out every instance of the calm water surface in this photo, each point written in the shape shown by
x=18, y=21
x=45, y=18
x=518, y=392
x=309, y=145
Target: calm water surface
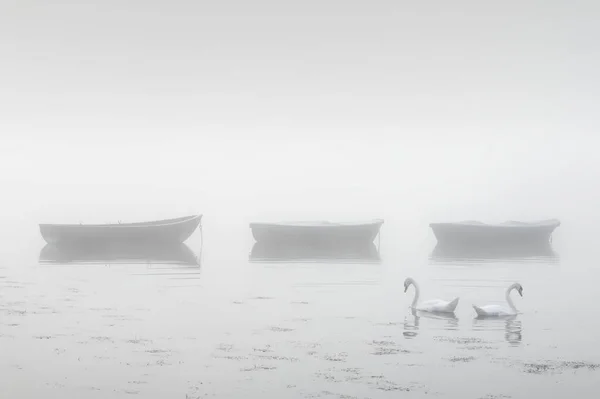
x=230, y=327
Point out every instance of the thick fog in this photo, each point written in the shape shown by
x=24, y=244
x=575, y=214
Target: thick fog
x=412, y=112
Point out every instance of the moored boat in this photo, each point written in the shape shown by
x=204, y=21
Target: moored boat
x=161, y=231
x=322, y=233
x=507, y=233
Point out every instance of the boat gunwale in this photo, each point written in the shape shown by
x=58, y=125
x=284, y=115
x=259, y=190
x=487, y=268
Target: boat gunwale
x=307, y=225
x=156, y=223
x=550, y=223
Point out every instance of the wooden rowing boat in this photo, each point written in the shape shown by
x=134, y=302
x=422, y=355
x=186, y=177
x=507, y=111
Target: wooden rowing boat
x=160, y=231
x=317, y=232
x=508, y=233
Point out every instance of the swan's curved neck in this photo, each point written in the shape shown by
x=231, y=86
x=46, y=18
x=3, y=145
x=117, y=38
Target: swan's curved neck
x=417, y=292
x=508, y=299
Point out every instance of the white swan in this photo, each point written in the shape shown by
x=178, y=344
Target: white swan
x=499, y=310
x=434, y=306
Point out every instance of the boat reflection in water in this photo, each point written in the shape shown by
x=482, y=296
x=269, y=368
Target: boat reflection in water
x=119, y=253
x=541, y=252
x=267, y=251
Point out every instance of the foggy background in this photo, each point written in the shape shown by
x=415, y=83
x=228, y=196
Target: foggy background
x=323, y=109
x=413, y=112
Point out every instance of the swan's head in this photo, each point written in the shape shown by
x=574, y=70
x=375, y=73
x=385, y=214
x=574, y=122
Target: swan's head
x=519, y=288
x=407, y=283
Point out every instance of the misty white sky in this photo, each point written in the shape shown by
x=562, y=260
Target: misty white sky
x=472, y=100
x=235, y=66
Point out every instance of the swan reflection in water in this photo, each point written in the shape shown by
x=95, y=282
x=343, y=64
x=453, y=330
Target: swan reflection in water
x=411, y=327
x=119, y=253
x=513, y=328
x=292, y=252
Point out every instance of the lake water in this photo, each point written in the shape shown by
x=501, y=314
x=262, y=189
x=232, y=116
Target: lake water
x=232, y=328
x=235, y=328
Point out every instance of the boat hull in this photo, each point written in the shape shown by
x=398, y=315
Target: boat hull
x=161, y=231
x=317, y=233
x=510, y=233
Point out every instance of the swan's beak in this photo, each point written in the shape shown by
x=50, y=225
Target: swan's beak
x=521, y=292
x=405, y=288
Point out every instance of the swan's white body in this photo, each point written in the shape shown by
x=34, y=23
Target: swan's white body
x=499, y=310
x=434, y=305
